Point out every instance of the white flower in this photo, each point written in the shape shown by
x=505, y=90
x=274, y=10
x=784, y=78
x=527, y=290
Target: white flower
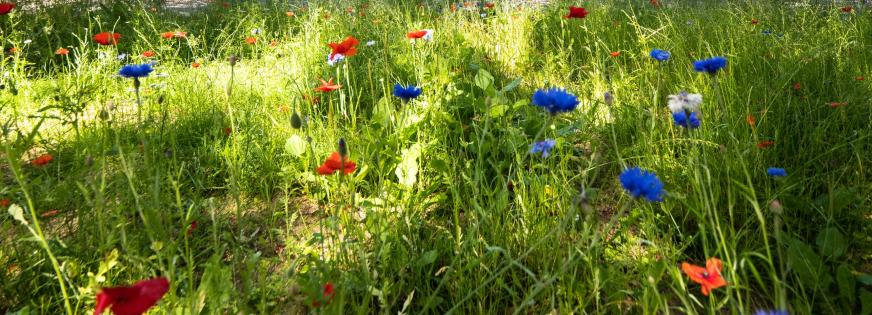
x=484, y=15
x=684, y=102
x=27, y=41
x=122, y=56
x=428, y=36
x=370, y=43
x=335, y=58
x=256, y=31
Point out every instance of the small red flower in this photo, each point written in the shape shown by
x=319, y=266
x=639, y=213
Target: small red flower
x=62, y=51
x=327, y=294
x=311, y=99
x=347, y=47
x=751, y=120
x=176, y=34
x=5, y=202
x=192, y=227
x=106, y=38
x=755, y=22
x=615, y=53
x=654, y=3
x=148, y=54
x=765, y=144
x=290, y=13
x=195, y=65
x=273, y=43
x=576, y=13
x=327, y=86
x=837, y=104
x=133, y=300
x=6, y=7
x=251, y=40
x=42, y=160
x=227, y=131
x=797, y=86
x=50, y=213
x=489, y=5
x=334, y=163
x=709, y=277
x=860, y=78
x=12, y=50
x=847, y=9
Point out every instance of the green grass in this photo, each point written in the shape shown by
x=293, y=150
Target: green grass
x=447, y=212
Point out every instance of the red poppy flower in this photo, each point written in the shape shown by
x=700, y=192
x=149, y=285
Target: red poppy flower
x=654, y=3
x=195, y=65
x=251, y=40
x=5, y=202
x=754, y=21
x=176, y=34
x=421, y=34
x=751, y=120
x=797, y=86
x=62, y=51
x=148, y=54
x=576, y=13
x=453, y=7
x=327, y=294
x=327, y=86
x=347, y=47
x=847, y=9
x=273, y=43
x=334, y=163
x=12, y=50
x=6, y=7
x=107, y=38
x=709, y=277
x=765, y=144
x=615, y=53
x=289, y=13
x=42, y=160
x=859, y=78
x=227, y=131
x=837, y=104
x=489, y=5
x=133, y=300
x=192, y=227
x=50, y=213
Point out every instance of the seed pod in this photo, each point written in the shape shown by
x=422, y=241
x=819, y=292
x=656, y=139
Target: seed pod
x=232, y=60
x=296, y=121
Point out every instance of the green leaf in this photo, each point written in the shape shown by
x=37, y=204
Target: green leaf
x=807, y=265
x=865, y=278
x=847, y=284
x=383, y=112
x=407, y=170
x=497, y=111
x=831, y=243
x=483, y=79
x=428, y=258
x=295, y=146
x=511, y=86
x=866, y=302
x=17, y=213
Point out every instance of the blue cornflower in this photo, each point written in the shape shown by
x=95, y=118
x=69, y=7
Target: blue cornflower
x=682, y=119
x=771, y=312
x=406, y=93
x=641, y=183
x=543, y=147
x=767, y=32
x=659, y=55
x=135, y=71
x=776, y=172
x=711, y=65
x=555, y=100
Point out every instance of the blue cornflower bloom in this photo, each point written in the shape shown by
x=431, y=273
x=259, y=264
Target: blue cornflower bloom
x=767, y=32
x=543, y=147
x=682, y=119
x=711, y=65
x=135, y=71
x=776, y=172
x=641, y=183
x=555, y=100
x=659, y=55
x=771, y=312
x=406, y=93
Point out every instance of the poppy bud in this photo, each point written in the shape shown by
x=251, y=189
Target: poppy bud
x=296, y=121
x=343, y=149
x=776, y=207
x=232, y=60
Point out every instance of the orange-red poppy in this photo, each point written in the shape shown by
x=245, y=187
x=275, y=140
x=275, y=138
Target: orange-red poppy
x=860, y=78
x=148, y=54
x=576, y=13
x=847, y=9
x=797, y=86
x=334, y=163
x=327, y=294
x=62, y=51
x=615, y=53
x=654, y=3
x=708, y=277
x=175, y=34
x=195, y=65
x=327, y=86
x=754, y=21
x=42, y=160
x=347, y=47
x=13, y=50
x=6, y=7
x=765, y=144
x=251, y=40
x=417, y=34
x=751, y=120
x=106, y=38
x=5, y=202
x=290, y=13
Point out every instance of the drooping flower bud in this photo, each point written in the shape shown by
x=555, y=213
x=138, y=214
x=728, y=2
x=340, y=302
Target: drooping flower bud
x=232, y=60
x=343, y=148
x=776, y=207
x=296, y=121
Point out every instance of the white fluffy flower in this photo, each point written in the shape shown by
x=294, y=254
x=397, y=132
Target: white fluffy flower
x=256, y=31
x=27, y=41
x=428, y=36
x=684, y=102
x=370, y=43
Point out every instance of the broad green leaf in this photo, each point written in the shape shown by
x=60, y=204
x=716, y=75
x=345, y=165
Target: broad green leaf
x=295, y=146
x=866, y=302
x=428, y=258
x=407, y=170
x=511, y=86
x=383, y=112
x=497, y=111
x=847, y=284
x=17, y=213
x=831, y=243
x=483, y=79
x=807, y=265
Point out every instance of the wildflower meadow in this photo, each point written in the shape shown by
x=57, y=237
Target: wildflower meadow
x=436, y=157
